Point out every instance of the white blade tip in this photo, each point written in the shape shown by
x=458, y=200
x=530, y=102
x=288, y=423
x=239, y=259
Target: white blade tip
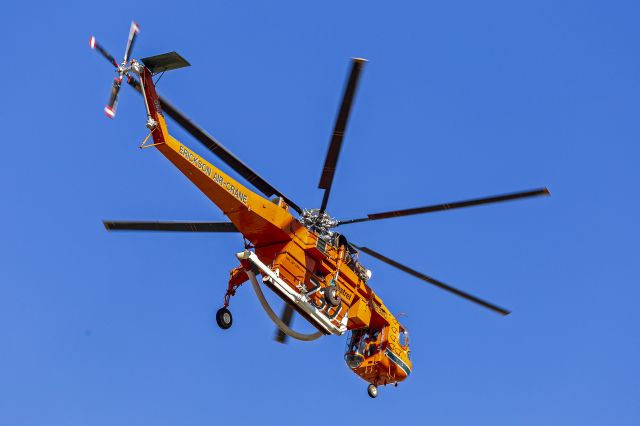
x=109, y=112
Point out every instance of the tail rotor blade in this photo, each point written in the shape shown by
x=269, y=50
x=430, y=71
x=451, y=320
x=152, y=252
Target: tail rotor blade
x=96, y=46
x=110, y=109
x=133, y=34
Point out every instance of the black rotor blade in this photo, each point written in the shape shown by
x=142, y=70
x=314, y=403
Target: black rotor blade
x=450, y=206
x=133, y=34
x=286, y=317
x=220, y=151
x=433, y=281
x=110, y=109
x=95, y=45
x=331, y=160
x=170, y=226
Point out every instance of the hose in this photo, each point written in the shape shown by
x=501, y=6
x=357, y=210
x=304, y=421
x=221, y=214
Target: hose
x=281, y=325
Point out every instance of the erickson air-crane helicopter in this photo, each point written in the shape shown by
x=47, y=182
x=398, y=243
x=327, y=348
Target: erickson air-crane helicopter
x=297, y=252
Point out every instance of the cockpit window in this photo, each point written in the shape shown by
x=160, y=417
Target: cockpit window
x=403, y=338
x=354, y=341
x=361, y=344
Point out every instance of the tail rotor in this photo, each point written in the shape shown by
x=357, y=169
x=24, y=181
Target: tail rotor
x=110, y=109
x=93, y=43
x=122, y=69
x=133, y=34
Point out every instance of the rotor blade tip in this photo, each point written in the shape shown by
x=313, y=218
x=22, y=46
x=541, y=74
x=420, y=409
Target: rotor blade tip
x=109, y=112
x=547, y=192
x=92, y=42
x=135, y=26
x=360, y=60
x=280, y=337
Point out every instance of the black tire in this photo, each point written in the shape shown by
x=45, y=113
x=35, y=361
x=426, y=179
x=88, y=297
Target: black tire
x=372, y=390
x=332, y=296
x=224, y=318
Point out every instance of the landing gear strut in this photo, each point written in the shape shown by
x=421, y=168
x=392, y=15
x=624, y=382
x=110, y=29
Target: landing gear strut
x=237, y=277
x=372, y=390
x=224, y=318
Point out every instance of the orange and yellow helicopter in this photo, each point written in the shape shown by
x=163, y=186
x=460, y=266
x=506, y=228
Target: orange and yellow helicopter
x=296, y=252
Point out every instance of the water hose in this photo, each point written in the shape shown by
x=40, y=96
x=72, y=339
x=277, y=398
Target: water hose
x=277, y=321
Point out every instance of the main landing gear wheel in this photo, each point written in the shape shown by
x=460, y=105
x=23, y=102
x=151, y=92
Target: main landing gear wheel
x=372, y=390
x=332, y=296
x=224, y=318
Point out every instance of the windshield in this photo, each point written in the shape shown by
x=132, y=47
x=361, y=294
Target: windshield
x=363, y=341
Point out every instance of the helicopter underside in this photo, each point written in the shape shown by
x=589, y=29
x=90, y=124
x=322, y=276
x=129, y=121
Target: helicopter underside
x=308, y=301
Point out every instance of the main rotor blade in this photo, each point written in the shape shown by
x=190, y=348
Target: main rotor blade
x=133, y=34
x=450, y=206
x=223, y=153
x=170, y=226
x=95, y=45
x=110, y=109
x=331, y=160
x=286, y=317
x=433, y=281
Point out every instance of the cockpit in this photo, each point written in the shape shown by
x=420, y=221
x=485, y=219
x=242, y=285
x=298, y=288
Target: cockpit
x=362, y=343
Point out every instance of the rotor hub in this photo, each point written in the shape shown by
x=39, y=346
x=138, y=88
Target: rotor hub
x=319, y=222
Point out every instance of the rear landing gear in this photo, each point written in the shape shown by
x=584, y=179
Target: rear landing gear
x=224, y=318
x=372, y=390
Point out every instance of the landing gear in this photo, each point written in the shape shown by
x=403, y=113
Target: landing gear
x=332, y=296
x=372, y=390
x=237, y=277
x=224, y=318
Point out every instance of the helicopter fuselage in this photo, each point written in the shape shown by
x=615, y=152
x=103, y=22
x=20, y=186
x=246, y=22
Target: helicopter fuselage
x=296, y=262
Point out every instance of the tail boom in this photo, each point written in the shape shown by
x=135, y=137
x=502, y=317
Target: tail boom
x=258, y=219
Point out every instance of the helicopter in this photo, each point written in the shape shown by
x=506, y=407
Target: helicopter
x=295, y=252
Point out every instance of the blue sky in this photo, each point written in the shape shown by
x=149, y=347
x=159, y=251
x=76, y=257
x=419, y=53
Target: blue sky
x=458, y=100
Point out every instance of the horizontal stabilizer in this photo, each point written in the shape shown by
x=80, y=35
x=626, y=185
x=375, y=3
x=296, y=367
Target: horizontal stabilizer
x=165, y=62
